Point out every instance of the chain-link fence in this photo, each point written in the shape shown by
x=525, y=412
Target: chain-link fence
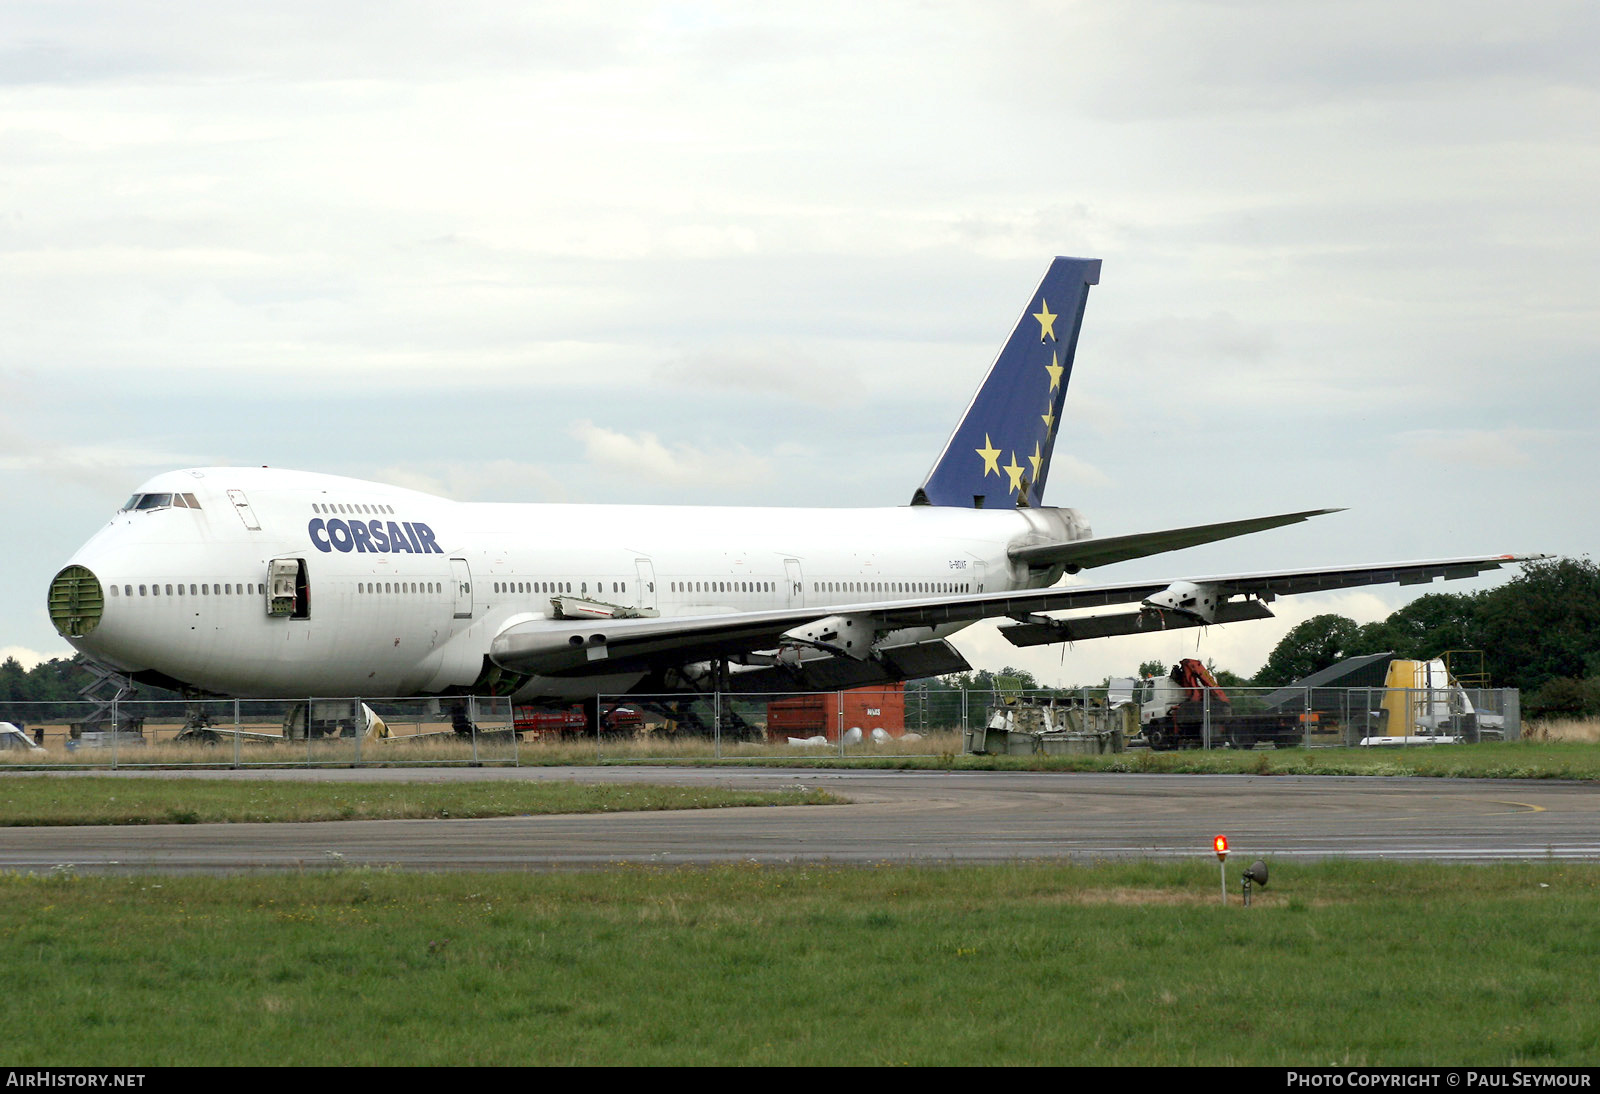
x=924, y=719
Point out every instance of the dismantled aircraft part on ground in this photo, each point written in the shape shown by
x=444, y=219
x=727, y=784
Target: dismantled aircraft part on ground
x=263, y=582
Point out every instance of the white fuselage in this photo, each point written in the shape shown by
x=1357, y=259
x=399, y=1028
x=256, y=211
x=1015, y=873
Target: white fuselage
x=403, y=592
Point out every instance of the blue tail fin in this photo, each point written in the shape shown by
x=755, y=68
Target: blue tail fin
x=999, y=455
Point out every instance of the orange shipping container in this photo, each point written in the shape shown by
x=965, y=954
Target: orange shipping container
x=831, y=713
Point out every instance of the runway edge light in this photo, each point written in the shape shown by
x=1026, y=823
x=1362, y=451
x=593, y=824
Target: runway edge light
x=1219, y=844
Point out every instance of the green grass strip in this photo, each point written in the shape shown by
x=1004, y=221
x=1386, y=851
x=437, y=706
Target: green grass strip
x=1527, y=759
x=1337, y=963
x=1507, y=760
x=44, y=800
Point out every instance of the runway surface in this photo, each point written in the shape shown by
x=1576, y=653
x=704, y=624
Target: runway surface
x=924, y=817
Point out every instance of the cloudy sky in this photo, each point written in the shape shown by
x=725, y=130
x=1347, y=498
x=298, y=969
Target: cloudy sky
x=761, y=254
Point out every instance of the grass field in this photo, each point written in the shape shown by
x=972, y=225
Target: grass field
x=1337, y=963
x=45, y=800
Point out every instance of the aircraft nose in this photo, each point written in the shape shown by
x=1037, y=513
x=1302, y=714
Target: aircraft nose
x=76, y=602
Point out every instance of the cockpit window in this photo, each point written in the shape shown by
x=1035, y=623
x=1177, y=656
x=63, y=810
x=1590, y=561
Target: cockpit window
x=160, y=501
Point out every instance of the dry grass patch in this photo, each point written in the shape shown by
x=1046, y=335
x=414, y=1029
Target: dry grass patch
x=1575, y=730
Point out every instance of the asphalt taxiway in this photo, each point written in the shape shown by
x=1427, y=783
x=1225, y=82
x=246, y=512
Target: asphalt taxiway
x=904, y=817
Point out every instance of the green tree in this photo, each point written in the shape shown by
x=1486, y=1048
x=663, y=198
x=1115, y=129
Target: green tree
x=13, y=681
x=1432, y=624
x=1543, y=624
x=1564, y=697
x=1315, y=644
x=1227, y=679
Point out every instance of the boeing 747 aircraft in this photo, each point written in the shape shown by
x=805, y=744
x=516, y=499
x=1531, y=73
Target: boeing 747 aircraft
x=259, y=582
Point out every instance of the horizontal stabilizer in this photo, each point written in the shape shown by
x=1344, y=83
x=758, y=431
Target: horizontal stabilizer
x=1102, y=552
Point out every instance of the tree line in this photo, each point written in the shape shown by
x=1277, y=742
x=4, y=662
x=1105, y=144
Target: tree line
x=58, y=680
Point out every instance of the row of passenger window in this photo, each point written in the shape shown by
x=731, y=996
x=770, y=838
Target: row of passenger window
x=722, y=586
x=823, y=587
x=207, y=589
x=350, y=507
x=557, y=587
x=889, y=587
x=399, y=587
x=741, y=587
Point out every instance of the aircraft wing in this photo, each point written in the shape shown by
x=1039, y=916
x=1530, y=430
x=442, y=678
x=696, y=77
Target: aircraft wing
x=536, y=644
x=1083, y=554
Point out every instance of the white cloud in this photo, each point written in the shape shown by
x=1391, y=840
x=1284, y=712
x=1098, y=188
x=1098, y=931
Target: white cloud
x=29, y=658
x=1510, y=447
x=645, y=456
x=486, y=480
x=760, y=368
x=1067, y=470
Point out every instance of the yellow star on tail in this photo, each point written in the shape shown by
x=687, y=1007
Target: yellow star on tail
x=991, y=456
x=1047, y=322
x=1036, y=459
x=1055, y=370
x=1014, y=469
